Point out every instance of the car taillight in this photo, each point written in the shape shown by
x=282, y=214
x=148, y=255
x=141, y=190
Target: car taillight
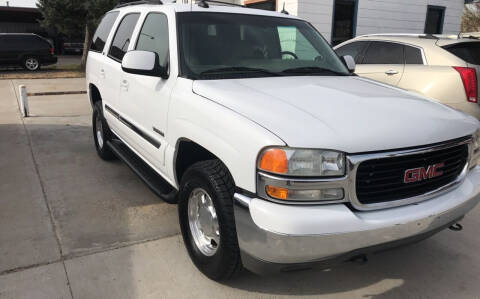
x=469, y=78
x=52, y=51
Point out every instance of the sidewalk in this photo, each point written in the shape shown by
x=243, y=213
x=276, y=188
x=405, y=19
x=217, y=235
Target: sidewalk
x=74, y=226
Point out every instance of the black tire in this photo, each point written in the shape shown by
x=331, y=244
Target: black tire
x=213, y=177
x=101, y=145
x=31, y=63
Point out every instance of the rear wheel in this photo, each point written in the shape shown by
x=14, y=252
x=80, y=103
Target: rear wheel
x=31, y=63
x=101, y=133
x=207, y=221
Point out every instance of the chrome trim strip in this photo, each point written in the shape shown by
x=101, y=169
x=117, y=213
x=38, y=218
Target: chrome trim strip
x=242, y=200
x=348, y=182
x=134, y=128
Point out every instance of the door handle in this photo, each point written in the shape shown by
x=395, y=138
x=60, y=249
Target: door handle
x=124, y=84
x=102, y=73
x=391, y=72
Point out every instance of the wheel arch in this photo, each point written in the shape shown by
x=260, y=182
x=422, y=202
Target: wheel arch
x=187, y=153
x=94, y=94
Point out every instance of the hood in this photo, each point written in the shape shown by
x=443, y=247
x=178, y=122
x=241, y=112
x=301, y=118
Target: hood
x=348, y=114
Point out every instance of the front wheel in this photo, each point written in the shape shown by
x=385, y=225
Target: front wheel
x=207, y=221
x=101, y=133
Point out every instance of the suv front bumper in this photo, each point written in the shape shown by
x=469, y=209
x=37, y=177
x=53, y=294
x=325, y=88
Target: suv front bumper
x=280, y=237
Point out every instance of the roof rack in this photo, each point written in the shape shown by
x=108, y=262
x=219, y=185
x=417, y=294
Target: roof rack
x=397, y=34
x=470, y=37
x=428, y=36
x=204, y=3
x=139, y=3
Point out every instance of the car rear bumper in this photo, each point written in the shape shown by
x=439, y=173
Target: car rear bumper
x=472, y=109
x=282, y=237
x=49, y=60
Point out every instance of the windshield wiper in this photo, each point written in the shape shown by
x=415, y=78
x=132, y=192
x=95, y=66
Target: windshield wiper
x=312, y=70
x=238, y=69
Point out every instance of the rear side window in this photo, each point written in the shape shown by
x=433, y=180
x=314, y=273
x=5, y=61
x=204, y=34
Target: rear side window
x=13, y=42
x=38, y=42
x=154, y=36
x=413, y=55
x=355, y=49
x=101, y=35
x=470, y=52
x=25, y=42
x=384, y=53
x=122, y=38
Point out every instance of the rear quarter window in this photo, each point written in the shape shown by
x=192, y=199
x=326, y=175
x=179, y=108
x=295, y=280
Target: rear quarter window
x=470, y=52
x=413, y=55
x=103, y=30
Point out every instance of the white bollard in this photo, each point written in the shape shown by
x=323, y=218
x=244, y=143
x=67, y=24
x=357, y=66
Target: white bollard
x=22, y=89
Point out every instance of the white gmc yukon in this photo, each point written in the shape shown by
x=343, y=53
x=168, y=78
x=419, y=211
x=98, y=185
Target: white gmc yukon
x=278, y=157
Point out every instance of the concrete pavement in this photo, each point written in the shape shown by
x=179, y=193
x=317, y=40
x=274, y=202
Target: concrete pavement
x=73, y=226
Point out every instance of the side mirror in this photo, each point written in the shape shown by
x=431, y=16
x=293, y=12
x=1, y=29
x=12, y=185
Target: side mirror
x=349, y=62
x=144, y=63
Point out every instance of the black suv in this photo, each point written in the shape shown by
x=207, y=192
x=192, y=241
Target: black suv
x=27, y=50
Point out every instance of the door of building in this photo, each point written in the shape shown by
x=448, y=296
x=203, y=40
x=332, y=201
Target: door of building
x=344, y=20
x=434, y=20
x=262, y=4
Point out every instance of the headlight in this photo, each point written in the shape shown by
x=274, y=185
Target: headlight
x=475, y=158
x=302, y=162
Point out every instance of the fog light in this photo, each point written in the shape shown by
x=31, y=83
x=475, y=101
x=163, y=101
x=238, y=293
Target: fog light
x=330, y=194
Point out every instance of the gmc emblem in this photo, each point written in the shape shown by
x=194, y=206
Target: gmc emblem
x=419, y=174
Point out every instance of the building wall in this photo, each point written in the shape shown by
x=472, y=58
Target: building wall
x=20, y=20
x=319, y=13
x=19, y=27
x=407, y=16
x=380, y=16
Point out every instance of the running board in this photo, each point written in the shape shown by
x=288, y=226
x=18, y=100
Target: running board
x=152, y=179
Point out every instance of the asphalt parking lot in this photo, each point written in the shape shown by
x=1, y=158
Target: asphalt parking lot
x=73, y=226
x=63, y=60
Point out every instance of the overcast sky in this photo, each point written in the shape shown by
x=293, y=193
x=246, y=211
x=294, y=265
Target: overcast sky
x=18, y=3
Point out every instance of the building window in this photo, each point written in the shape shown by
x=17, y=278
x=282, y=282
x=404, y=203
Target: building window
x=344, y=20
x=434, y=20
x=262, y=4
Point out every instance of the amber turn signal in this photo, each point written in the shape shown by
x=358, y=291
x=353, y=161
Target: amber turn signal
x=277, y=192
x=274, y=160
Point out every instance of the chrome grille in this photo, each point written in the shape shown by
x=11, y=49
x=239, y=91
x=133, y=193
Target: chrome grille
x=382, y=180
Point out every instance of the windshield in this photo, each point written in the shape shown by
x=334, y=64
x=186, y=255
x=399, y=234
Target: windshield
x=225, y=46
